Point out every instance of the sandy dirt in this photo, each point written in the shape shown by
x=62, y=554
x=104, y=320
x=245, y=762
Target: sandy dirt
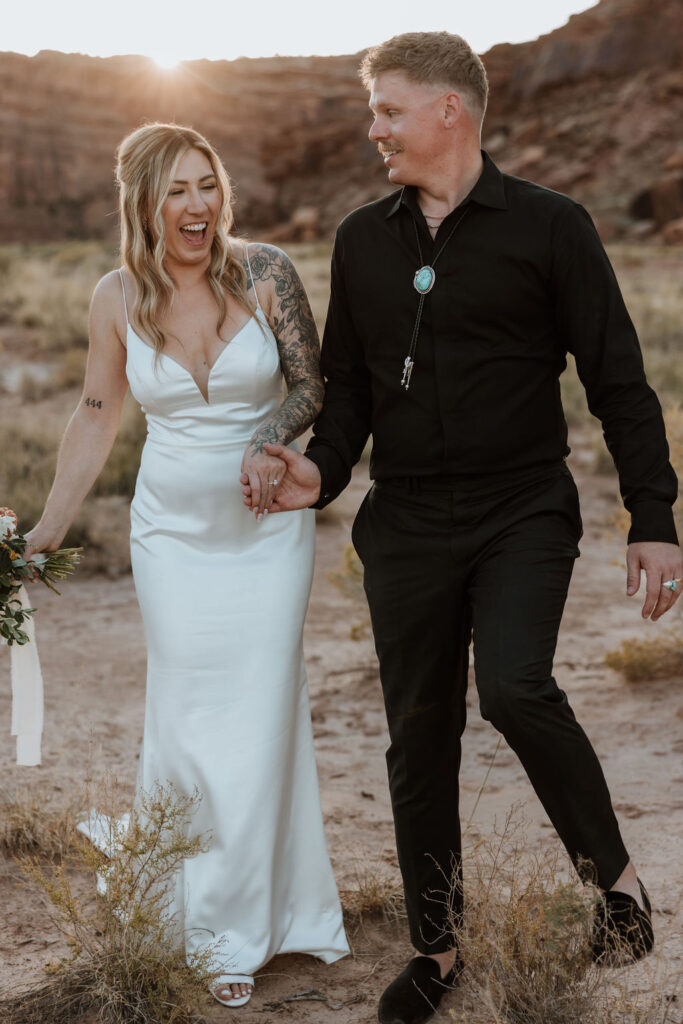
x=93, y=655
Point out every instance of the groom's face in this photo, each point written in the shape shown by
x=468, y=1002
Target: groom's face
x=408, y=126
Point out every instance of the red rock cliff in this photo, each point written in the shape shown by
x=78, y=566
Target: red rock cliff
x=594, y=108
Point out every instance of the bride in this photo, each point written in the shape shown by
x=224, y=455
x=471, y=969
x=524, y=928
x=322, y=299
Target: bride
x=205, y=329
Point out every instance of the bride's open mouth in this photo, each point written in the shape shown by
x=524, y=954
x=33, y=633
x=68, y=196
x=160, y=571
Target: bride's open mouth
x=195, y=234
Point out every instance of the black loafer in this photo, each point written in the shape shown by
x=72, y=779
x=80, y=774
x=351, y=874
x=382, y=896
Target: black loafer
x=622, y=932
x=414, y=996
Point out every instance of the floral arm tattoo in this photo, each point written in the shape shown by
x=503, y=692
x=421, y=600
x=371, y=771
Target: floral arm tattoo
x=292, y=324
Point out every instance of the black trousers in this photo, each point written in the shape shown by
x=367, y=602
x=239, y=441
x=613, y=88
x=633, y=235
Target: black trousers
x=441, y=564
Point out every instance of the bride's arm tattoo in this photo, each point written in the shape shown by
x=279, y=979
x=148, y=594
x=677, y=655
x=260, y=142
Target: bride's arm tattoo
x=293, y=325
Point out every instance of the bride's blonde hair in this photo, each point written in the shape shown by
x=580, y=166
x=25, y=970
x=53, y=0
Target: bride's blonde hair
x=147, y=162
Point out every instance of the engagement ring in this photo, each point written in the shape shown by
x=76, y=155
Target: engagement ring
x=672, y=584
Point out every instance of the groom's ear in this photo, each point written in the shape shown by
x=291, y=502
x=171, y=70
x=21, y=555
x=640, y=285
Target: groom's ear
x=451, y=109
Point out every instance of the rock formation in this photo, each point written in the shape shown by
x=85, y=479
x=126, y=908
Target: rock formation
x=594, y=108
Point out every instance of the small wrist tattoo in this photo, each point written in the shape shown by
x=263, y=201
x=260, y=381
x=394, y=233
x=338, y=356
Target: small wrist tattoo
x=94, y=403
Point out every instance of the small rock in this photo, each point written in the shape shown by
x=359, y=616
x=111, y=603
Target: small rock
x=305, y=222
x=672, y=232
x=675, y=161
x=529, y=132
x=661, y=202
x=496, y=142
x=531, y=155
x=641, y=228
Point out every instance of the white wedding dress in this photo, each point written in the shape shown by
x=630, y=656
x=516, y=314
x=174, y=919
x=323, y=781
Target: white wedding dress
x=223, y=599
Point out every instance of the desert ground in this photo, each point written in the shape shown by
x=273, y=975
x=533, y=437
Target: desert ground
x=93, y=657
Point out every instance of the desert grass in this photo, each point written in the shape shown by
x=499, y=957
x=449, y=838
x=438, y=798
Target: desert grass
x=658, y=657
x=33, y=823
x=650, y=279
x=47, y=288
x=524, y=940
x=126, y=963
x=348, y=579
x=101, y=526
x=375, y=895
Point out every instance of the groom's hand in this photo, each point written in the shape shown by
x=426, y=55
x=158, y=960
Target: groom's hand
x=300, y=486
x=661, y=562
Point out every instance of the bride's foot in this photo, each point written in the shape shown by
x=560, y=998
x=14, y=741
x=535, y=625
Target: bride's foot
x=232, y=989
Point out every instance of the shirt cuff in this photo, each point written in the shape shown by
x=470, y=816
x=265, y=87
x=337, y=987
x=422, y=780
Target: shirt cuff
x=334, y=473
x=652, y=521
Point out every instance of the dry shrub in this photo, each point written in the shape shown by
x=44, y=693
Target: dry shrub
x=348, y=579
x=48, y=288
x=26, y=469
x=376, y=895
x=127, y=962
x=33, y=387
x=102, y=525
x=71, y=370
x=650, y=279
x=525, y=936
x=657, y=657
x=31, y=823
x=525, y=943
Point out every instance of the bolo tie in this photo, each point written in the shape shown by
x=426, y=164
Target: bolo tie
x=423, y=282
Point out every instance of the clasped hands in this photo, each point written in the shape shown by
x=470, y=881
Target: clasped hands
x=298, y=480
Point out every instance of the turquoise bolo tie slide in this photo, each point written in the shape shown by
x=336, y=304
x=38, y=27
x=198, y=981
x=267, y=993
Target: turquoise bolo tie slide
x=423, y=282
x=424, y=279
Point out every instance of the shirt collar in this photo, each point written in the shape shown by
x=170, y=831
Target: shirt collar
x=489, y=190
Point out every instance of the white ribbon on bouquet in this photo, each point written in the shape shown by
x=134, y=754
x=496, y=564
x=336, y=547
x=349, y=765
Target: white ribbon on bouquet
x=27, y=692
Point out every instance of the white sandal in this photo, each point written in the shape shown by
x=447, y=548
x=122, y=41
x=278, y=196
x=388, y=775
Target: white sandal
x=232, y=979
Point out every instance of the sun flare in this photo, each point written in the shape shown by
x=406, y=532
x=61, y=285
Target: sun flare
x=167, y=61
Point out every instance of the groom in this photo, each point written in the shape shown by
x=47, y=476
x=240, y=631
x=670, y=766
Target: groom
x=454, y=302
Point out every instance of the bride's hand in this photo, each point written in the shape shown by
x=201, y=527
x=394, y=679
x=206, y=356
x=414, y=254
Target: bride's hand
x=41, y=539
x=262, y=473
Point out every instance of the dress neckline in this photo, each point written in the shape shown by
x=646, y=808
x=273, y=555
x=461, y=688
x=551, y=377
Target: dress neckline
x=186, y=371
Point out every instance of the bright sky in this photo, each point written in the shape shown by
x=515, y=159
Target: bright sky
x=171, y=30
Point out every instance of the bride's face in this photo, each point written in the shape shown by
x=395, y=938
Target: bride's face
x=190, y=210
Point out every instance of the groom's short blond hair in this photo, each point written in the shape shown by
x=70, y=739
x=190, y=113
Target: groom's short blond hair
x=432, y=58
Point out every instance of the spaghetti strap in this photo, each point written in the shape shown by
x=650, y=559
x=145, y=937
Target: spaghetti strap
x=123, y=289
x=251, y=277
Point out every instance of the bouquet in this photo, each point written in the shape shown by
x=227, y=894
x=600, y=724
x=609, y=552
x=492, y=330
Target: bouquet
x=14, y=569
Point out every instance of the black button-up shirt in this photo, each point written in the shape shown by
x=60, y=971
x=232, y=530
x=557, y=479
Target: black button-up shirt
x=523, y=280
